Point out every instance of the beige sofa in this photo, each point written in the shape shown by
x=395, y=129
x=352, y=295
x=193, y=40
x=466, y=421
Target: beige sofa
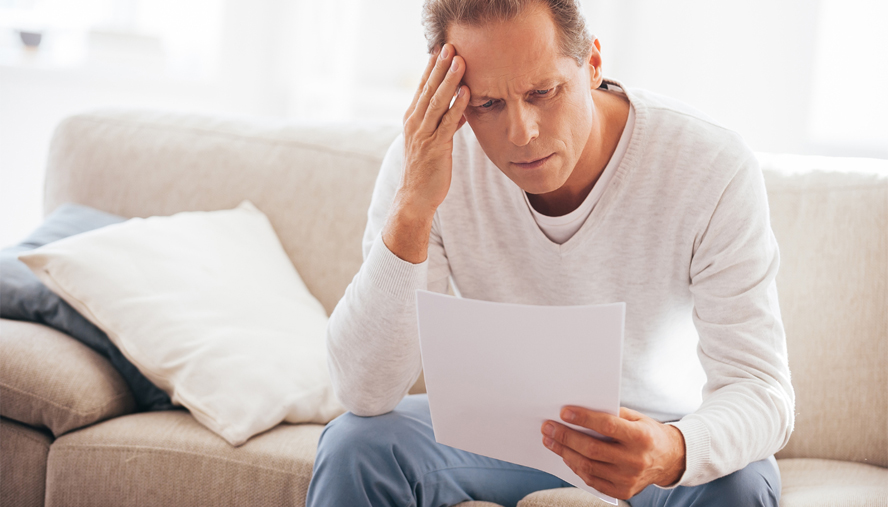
x=68, y=434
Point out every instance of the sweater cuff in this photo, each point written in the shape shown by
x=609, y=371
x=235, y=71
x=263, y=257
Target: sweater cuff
x=393, y=275
x=696, y=437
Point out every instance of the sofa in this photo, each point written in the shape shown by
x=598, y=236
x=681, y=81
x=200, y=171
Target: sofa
x=70, y=434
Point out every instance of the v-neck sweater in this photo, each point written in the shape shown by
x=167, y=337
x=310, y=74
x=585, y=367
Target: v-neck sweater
x=681, y=234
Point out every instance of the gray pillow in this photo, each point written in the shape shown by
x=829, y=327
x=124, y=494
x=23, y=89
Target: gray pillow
x=24, y=297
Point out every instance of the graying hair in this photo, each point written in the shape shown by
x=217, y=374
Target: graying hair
x=439, y=15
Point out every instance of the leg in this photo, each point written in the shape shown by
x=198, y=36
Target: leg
x=756, y=485
x=393, y=459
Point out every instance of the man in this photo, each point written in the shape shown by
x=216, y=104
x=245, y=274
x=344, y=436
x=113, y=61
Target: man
x=568, y=189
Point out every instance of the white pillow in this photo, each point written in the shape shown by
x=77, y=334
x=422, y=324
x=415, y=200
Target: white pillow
x=208, y=306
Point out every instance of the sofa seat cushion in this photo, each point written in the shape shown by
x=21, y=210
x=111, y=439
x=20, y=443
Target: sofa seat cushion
x=168, y=458
x=564, y=497
x=806, y=483
x=23, y=464
x=828, y=483
x=50, y=380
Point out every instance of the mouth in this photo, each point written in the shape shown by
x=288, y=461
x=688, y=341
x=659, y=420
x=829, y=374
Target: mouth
x=533, y=164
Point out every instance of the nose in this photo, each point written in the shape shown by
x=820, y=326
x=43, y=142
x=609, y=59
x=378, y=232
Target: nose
x=523, y=126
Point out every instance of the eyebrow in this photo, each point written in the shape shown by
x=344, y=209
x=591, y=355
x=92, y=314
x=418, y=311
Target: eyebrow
x=536, y=86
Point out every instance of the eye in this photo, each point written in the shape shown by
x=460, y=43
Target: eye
x=487, y=105
x=542, y=92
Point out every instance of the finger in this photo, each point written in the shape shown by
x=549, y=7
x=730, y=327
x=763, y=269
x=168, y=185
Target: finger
x=605, y=424
x=601, y=485
x=462, y=121
x=592, y=472
x=425, y=77
x=453, y=119
x=439, y=72
x=582, y=443
x=631, y=415
x=440, y=101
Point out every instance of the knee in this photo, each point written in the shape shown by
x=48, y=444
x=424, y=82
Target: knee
x=753, y=486
x=349, y=436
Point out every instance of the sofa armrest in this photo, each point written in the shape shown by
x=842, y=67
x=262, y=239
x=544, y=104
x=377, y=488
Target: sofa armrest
x=49, y=380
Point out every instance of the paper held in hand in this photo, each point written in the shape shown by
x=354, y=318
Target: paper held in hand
x=494, y=372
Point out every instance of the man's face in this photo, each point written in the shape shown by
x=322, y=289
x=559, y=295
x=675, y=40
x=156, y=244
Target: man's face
x=530, y=106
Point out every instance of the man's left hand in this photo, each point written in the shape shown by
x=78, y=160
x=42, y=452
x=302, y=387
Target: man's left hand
x=643, y=451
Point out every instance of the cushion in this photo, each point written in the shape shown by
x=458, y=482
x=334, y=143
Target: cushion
x=167, y=458
x=805, y=483
x=50, y=381
x=208, y=306
x=23, y=462
x=24, y=297
x=831, y=483
x=160, y=457
x=564, y=497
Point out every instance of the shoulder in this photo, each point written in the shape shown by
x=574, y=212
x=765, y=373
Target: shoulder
x=677, y=135
x=671, y=107
x=683, y=155
x=671, y=122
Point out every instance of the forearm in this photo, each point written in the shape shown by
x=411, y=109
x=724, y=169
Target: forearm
x=372, y=341
x=747, y=412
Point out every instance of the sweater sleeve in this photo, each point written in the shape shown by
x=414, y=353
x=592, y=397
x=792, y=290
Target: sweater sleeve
x=372, y=336
x=747, y=412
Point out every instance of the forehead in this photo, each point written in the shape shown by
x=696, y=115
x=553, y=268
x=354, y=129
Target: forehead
x=509, y=56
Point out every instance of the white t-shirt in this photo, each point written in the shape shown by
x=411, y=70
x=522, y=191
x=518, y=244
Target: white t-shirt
x=561, y=229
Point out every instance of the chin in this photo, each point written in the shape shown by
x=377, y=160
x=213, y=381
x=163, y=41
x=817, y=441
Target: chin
x=536, y=185
x=543, y=182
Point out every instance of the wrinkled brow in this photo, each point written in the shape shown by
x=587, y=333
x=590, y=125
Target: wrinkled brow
x=542, y=84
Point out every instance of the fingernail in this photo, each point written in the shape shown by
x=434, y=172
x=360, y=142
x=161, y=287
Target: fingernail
x=569, y=416
x=444, y=53
x=454, y=65
x=461, y=91
x=548, y=442
x=549, y=429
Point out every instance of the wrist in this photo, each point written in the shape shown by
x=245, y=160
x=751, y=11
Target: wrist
x=410, y=206
x=675, y=463
x=407, y=229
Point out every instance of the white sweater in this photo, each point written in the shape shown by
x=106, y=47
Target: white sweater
x=681, y=234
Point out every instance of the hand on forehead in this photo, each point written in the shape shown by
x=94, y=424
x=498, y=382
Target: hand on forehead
x=511, y=57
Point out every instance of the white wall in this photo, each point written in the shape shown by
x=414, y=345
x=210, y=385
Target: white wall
x=34, y=101
x=797, y=76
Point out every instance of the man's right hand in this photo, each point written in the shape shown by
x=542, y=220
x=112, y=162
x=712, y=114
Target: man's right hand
x=429, y=126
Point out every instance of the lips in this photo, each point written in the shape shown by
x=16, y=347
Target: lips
x=533, y=164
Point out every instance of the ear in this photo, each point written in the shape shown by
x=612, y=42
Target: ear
x=594, y=65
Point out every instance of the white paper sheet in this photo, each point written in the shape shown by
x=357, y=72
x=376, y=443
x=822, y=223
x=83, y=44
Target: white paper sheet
x=494, y=372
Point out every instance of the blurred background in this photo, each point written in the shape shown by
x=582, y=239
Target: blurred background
x=792, y=76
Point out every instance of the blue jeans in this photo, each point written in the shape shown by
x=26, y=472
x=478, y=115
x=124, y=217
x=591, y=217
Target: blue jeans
x=393, y=460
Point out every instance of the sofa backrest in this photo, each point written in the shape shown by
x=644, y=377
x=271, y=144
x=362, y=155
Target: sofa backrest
x=830, y=217
x=314, y=182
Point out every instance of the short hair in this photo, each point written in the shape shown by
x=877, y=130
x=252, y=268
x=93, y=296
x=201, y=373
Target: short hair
x=438, y=15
